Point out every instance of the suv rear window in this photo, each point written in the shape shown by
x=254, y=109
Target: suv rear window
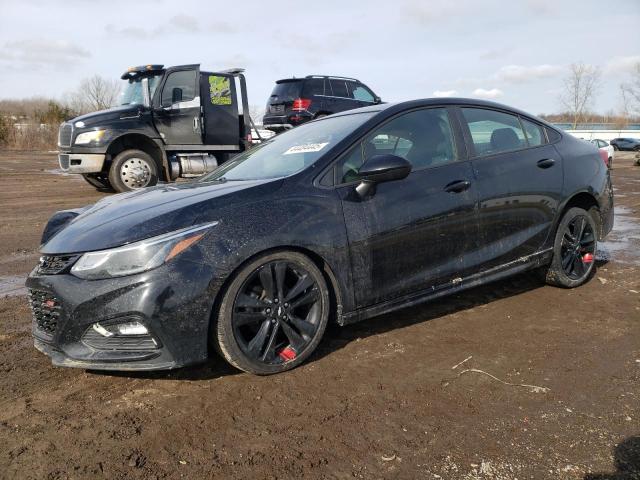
x=313, y=86
x=286, y=90
x=339, y=88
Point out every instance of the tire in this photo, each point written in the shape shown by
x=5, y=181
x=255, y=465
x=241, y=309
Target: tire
x=133, y=169
x=253, y=307
x=98, y=180
x=320, y=115
x=574, y=250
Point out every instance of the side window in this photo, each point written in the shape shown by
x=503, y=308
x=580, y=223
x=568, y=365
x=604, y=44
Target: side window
x=362, y=93
x=535, y=137
x=179, y=87
x=313, y=86
x=339, y=88
x=423, y=137
x=552, y=135
x=494, y=132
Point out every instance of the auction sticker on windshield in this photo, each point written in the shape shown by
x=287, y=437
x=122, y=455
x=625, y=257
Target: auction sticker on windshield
x=310, y=147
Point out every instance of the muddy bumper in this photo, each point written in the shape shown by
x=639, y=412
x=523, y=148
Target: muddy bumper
x=152, y=321
x=81, y=162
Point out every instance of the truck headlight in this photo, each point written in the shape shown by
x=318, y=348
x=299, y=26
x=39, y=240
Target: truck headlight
x=94, y=136
x=139, y=256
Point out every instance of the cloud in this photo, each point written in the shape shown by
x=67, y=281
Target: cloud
x=43, y=51
x=436, y=12
x=521, y=73
x=482, y=93
x=622, y=64
x=445, y=93
x=175, y=24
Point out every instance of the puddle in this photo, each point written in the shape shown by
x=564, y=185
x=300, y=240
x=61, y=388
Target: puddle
x=12, y=286
x=619, y=244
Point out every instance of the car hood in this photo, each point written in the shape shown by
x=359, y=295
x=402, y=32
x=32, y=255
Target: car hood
x=134, y=216
x=110, y=114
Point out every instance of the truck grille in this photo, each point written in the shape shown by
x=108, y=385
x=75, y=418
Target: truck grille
x=64, y=135
x=46, y=310
x=54, y=264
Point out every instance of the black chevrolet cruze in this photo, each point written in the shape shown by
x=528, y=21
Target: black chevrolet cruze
x=341, y=219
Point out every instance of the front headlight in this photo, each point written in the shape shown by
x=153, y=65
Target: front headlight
x=137, y=257
x=94, y=136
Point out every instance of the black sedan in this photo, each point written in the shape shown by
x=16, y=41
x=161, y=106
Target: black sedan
x=629, y=144
x=341, y=219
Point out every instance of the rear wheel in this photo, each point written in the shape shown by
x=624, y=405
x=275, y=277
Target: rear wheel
x=574, y=250
x=273, y=315
x=98, y=180
x=133, y=169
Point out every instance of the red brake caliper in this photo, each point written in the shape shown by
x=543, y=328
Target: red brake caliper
x=587, y=258
x=287, y=354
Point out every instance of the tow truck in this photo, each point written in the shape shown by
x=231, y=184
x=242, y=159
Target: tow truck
x=172, y=122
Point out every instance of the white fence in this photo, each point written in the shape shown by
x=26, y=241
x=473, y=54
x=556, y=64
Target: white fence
x=604, y=134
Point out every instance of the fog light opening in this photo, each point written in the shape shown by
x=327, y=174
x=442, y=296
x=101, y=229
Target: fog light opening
x=131, y=328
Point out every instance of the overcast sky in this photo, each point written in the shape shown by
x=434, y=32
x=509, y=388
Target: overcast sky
x=513, y=51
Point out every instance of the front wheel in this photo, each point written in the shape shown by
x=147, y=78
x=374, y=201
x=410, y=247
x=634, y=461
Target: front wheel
x=574, y=250
x=133, y=169
x=273, y=314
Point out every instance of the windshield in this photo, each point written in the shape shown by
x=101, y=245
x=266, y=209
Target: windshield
x=132, y=93
x=289, y=152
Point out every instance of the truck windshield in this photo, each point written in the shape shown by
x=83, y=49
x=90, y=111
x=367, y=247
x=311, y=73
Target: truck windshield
x=132, y=93
x=289, y=152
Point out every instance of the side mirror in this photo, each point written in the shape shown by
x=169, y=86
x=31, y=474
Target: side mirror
x=377, y=100
x=176, y=95
x=379, y=169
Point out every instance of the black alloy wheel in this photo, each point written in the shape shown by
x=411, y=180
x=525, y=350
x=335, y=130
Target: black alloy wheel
x=574, y=249
x=273, y=314
x=578, y=244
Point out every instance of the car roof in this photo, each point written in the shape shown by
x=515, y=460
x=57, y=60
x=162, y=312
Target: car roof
x=427, y=102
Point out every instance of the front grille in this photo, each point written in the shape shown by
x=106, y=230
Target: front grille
x=54, y=264
x=64, y=135
x=276, y=109
x=63, y=160
x=46, y=311
x=129, y=343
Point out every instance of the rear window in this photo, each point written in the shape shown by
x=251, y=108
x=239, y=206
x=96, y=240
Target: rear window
x=286, y=91
x=313, y=86
x=339, y=88
x=494, y=132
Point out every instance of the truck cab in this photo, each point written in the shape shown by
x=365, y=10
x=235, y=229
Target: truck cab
x=172, y=122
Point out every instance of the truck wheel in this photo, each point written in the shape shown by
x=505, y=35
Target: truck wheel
x=133, y=169
x=98, y=180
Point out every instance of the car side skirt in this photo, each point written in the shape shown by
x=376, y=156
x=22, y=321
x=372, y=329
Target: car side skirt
x=456, y=285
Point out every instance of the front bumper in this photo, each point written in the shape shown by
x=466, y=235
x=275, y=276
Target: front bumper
x=174, y=302
x=81, y=162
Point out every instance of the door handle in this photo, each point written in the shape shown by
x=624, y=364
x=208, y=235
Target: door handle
x=546, y=163
x=195, y=124
x=457, y=186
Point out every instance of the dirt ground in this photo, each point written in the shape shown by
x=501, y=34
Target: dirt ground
x=380, y=399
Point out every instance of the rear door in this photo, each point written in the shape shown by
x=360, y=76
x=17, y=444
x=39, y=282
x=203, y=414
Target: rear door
x=221, y=122
x=177, y=107
x=283, y=95
x=416, y=233
x=519, y=182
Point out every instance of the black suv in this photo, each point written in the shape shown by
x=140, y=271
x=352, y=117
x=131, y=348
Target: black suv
x=298, y=100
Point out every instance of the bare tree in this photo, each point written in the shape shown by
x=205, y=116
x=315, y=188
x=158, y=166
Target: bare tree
x=631, y=93
x=580, y=88
x=94, y=93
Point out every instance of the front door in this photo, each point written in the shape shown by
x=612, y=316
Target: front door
x=221, y=124
x=519, y=182
x=177, y=113
x=416, y=233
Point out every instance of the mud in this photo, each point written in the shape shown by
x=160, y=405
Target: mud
x=380, y=399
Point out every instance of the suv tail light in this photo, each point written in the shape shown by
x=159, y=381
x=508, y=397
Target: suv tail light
x=301, y=104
